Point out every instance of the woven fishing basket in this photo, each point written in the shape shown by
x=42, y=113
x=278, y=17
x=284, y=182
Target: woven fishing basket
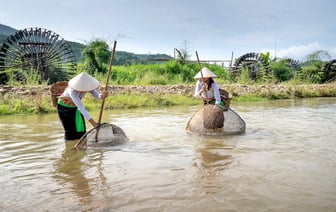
x=56, y=90
x=226, y=97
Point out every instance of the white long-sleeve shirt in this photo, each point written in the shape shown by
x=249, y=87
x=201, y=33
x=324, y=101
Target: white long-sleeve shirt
x=212, y=93
x=77, y=96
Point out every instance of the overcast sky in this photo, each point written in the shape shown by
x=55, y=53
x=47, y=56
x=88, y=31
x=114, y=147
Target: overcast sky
x=213, y=28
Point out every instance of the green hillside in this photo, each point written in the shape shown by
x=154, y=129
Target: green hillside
x=2, y=38
x=6, y=30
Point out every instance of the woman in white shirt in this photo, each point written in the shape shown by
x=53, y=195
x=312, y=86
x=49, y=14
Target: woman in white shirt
x=208, y=89
x=70, y=108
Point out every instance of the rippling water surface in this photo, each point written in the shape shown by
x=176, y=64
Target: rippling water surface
x=286, y=161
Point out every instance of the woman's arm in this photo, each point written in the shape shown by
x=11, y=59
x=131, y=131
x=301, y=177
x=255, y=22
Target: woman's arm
x=216, y=92
x=75, y=98
x=198, y=89
x=97, y=95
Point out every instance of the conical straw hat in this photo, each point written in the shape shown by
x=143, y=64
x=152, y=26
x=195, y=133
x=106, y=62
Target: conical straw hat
x=206, y=74
x=83, y=82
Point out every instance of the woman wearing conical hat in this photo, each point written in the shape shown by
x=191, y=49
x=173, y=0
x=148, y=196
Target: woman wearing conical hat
x=70, y=108
x=207, y=88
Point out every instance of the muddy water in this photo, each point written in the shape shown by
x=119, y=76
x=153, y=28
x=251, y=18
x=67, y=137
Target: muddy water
x=286, y=161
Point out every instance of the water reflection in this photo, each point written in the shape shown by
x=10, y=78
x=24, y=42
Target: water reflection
x=214, y=155
x=70, y=173
x=213, y=158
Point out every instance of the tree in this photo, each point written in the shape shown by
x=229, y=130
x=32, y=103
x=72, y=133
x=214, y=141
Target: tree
x=313, y=66
x=96, y=53
x=318, y=55
x=281, y=70
x=183, y=53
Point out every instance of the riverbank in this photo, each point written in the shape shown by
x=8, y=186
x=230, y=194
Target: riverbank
x=236, y=90
x=271, y=91
x=37, y=99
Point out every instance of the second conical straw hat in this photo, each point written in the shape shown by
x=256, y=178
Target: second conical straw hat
x=206, y=73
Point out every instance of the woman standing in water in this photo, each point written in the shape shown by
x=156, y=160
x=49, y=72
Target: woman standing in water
x=70, y=108
x=207, y=88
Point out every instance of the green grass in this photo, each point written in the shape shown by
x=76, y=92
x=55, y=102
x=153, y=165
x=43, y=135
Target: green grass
x=40, y=104
x=10, y=104
x=249, y=98
x=144, y=100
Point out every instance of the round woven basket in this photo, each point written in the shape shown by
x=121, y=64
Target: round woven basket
x=213, y=117
x=56, y=90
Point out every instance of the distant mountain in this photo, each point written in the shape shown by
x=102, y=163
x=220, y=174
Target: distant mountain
x=2, y=38
x=77, y=49
x=121, y=57
x=6, y=30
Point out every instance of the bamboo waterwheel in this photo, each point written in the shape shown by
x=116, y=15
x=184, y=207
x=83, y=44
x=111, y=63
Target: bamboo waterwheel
x=36, y=52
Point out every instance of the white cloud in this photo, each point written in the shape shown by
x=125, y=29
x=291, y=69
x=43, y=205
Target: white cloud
x=301, y=51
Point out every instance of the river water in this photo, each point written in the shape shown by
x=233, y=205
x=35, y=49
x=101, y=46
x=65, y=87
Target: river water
x=286, y=161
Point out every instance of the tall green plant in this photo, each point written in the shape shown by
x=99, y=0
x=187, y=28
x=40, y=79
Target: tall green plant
x=244, y=77
x=281, y=70
x=96, y=54
x=312, y=70
x=311, y=74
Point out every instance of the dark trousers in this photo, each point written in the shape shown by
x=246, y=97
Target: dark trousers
x=67, y=116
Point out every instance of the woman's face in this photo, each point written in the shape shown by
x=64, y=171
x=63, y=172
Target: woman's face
x=205, y=80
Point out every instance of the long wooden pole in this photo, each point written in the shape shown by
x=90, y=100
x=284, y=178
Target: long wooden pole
x=107, y=82
x=105, y=89
x=83, y=138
